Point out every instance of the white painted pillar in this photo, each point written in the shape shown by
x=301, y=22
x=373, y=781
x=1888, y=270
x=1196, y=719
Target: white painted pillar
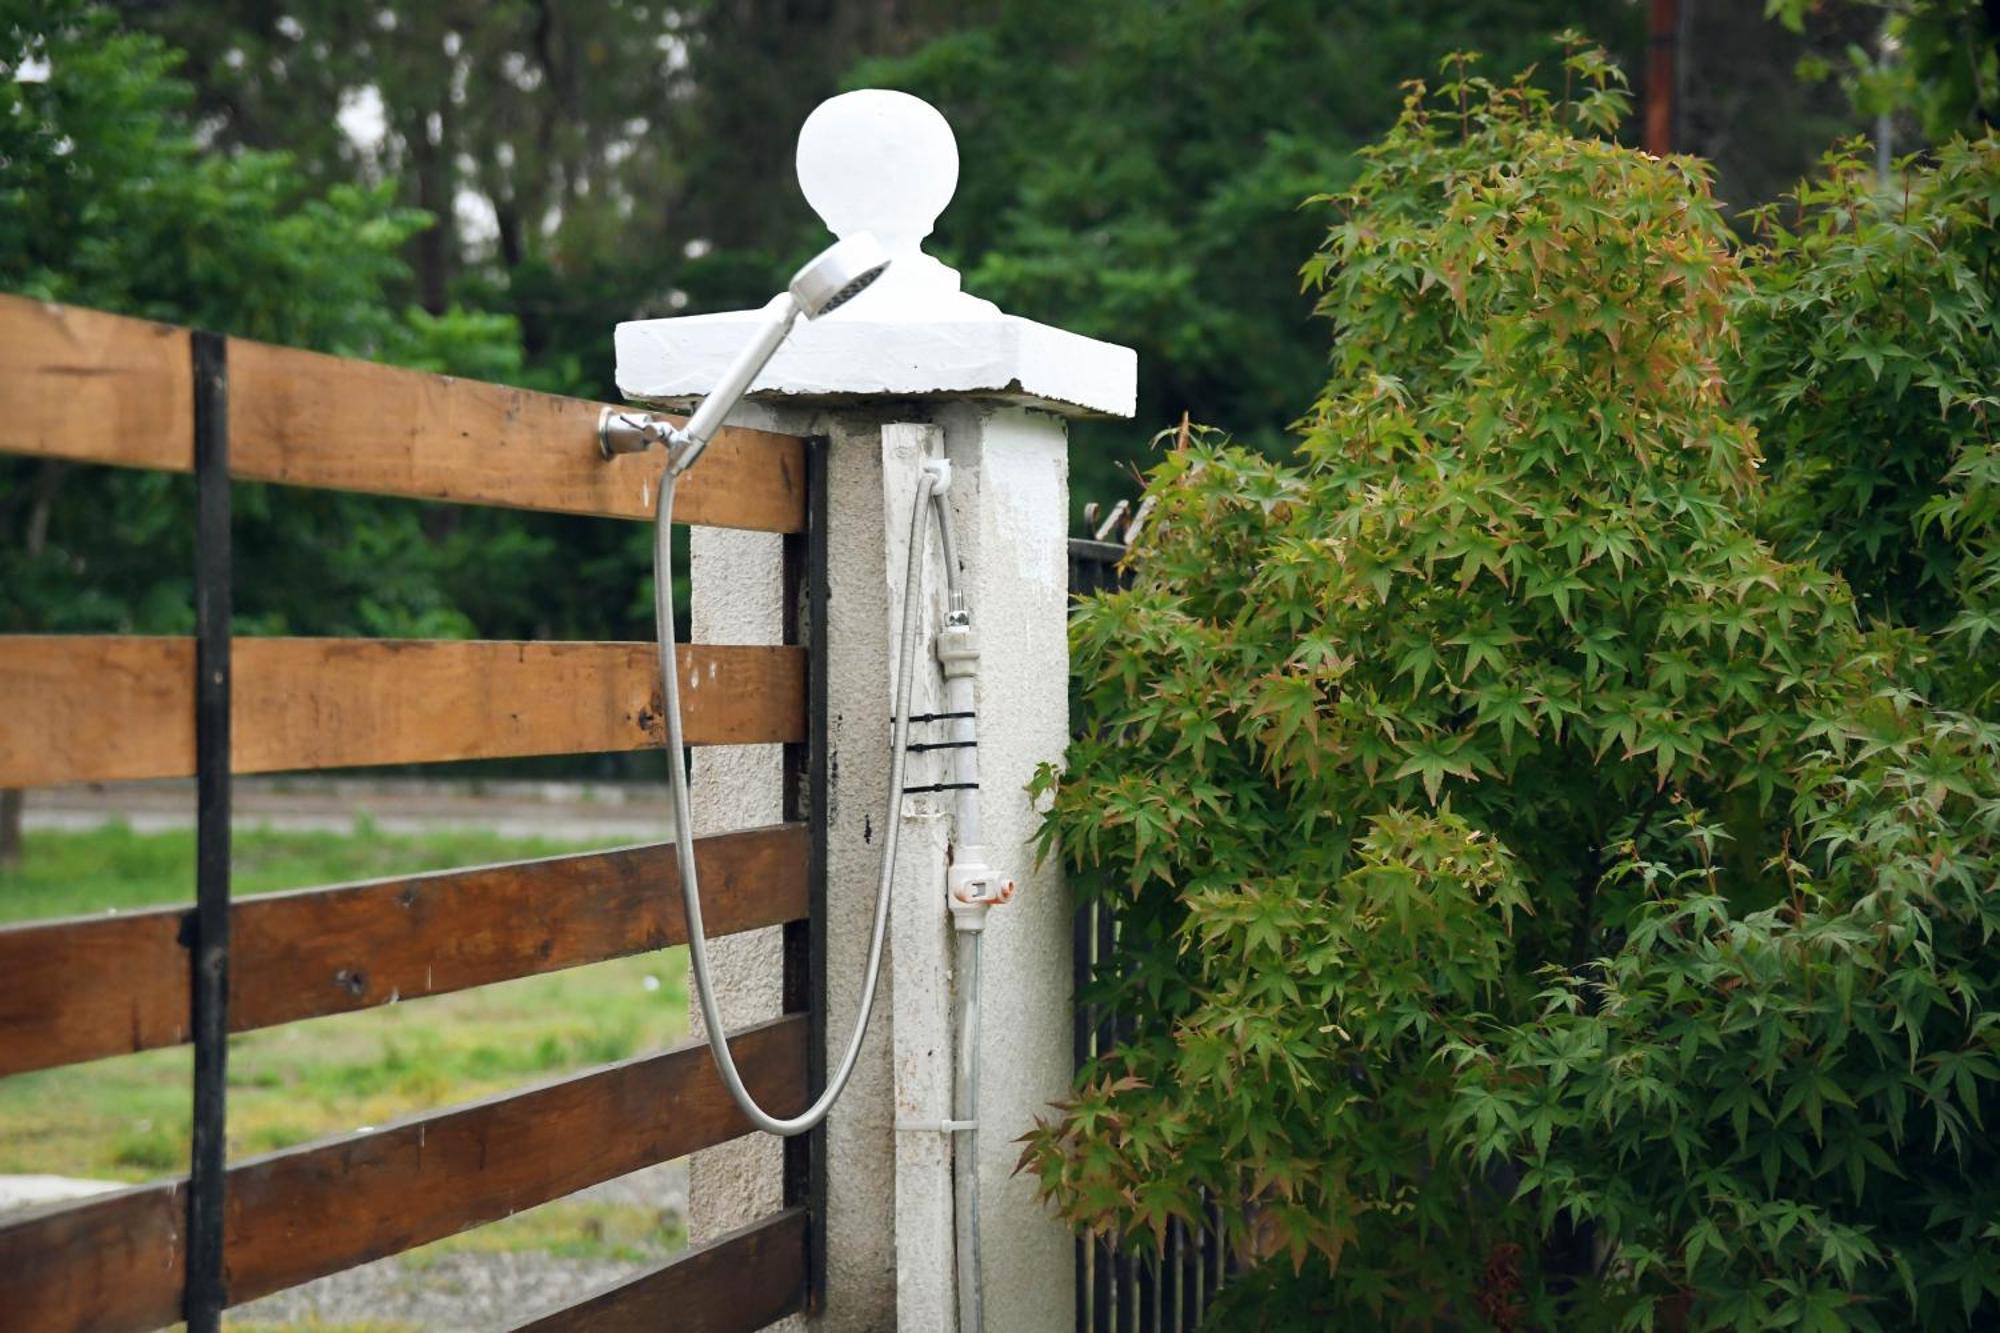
x=912, y=367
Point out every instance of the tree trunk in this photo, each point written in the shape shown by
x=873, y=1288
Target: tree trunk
x=10, y=828
x=34, y=540
x=435, y=196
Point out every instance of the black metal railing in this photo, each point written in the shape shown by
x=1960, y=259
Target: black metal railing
x=1130, y=1289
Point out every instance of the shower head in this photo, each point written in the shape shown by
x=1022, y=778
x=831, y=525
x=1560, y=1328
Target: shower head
x=838, y=274
x=834, y=277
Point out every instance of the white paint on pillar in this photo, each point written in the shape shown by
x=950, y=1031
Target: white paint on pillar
x=921, y=1016
x=1010, y=489
x=860, y=1133
x=912, y=349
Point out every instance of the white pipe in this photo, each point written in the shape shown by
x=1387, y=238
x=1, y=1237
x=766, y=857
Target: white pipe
x=958, y=684
x=958, y=651
x=960, y=646
x=965, y=1143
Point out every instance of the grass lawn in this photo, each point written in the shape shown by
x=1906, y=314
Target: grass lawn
x=127, y=1118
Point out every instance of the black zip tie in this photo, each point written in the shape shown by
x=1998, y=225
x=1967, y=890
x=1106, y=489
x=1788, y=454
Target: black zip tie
x=938, y=717
x=942, y=786
x=919, y=746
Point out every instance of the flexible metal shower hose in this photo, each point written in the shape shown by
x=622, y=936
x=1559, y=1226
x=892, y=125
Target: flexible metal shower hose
x=711, y=1014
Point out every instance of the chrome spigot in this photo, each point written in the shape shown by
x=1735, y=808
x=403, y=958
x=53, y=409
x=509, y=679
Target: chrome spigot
x=623, y=432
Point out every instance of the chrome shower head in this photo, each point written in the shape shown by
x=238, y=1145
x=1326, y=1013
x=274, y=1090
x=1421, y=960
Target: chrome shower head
x=838, y=274
x=835, y=276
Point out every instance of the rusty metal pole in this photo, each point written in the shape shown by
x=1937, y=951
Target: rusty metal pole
x=1662, y=40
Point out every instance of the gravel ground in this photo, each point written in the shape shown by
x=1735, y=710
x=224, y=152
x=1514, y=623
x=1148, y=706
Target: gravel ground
x=456, y=1293
x=470, y=1293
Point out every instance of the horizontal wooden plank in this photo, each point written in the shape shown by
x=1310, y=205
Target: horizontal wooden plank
x=114, y=1262
x=312, y=420
x=88, y=987
x=738, y=1283
x=83, y=385
x=98, y=708
x=94, y=388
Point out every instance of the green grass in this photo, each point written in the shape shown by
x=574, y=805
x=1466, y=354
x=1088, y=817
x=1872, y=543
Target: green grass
x=69, y=874
x=127, y=1118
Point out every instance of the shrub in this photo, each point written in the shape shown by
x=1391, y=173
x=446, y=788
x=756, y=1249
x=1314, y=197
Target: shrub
x=1871, y=367
x=1543, y=905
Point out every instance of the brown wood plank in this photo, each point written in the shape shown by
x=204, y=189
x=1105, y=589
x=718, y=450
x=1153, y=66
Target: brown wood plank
x=83, y=385
x=313, y=420
x=98, y=708
x=88, y=987
x=97, y=388
x=738, y=1283
x=114, y=1262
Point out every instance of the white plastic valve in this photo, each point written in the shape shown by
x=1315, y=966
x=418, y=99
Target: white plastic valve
x=958, y=650
x=972, y=888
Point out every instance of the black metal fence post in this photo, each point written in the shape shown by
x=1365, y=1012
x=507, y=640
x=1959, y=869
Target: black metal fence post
x=805, y=577
x=208, y=951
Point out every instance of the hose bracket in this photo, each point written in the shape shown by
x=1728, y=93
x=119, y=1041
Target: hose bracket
x=935, y=1126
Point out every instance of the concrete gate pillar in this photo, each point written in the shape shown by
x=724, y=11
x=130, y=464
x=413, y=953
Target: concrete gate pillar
x=913, y=367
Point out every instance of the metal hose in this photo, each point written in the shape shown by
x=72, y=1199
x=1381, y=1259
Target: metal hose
x=711, y=1015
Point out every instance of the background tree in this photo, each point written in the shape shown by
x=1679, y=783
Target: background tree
x=107, y=200
x=585, y=161
x=1136, y=172
x=1935, y=60
x=1134, y=168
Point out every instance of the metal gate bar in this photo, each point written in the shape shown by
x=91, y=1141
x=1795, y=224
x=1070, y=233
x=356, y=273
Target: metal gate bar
x=208, y=951
x=806, y=780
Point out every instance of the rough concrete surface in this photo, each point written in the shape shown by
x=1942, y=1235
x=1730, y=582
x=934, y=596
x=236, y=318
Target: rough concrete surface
x=738, y=590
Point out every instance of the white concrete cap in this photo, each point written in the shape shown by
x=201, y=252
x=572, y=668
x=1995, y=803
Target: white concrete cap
x=887, y=163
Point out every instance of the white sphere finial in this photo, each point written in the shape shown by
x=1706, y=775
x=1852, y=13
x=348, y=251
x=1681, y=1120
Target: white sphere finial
x=884, y=163
x=878, y=161
x=887, y=163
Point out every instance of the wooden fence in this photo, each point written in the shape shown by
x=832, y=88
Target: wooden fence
x=84, y=386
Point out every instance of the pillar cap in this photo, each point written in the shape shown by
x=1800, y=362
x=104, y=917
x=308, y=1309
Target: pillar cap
x=887, y=163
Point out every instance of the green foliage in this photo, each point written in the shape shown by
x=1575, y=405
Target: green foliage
x=1945, y=67
x=107, y=200
x=1542, y=906
x=1133, y=172
x=110, y=198
x=1871, y=367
